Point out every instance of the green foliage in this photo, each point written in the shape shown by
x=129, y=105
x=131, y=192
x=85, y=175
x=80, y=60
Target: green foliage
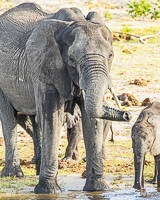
x=108, y=15
x=144, y=8
x=125, y=29
x=90, y=7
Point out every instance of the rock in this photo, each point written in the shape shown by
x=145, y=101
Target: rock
x=84, y=175
x=128, y=99
x=126, y=103
x=140, y=82
x=123, y=96
x=147, y=102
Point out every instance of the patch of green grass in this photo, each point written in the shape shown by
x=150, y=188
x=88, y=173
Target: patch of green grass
x=126, y=29
x=108, y=15
x=17, y=183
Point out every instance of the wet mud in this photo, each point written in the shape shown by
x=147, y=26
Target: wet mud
x=113, y=194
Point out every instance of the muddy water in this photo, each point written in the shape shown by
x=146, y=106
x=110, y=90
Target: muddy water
x=120, y=189
x=114, y=194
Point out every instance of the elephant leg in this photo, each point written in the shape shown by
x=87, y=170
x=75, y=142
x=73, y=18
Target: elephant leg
x=31, y=127
x=37, y=139
x=143, y=174
x=135, y=171
x=154, y=181
x=157, y=163
x=112, y=138
x=106, y=126
x=9, y=125
x=74, y=137
x=93, y=136
x=50, y=116
x=25, y=122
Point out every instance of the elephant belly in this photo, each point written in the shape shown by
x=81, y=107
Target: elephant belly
x=21, y=97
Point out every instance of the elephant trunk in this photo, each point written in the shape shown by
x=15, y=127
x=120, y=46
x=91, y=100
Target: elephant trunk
x=139, y=179
x=97, y=82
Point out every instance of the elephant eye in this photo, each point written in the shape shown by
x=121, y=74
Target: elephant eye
x=110, y=56
x=71, y=60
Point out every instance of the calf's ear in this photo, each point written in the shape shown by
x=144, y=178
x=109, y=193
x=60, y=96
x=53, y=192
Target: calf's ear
x=154, y=120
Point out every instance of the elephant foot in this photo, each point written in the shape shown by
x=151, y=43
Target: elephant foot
x=154, y=181
x=75, y=155
x=95, y=184
x=47, y=186
x=137, y=186
x=66, y=158
x=158, y=181
x=12, y=171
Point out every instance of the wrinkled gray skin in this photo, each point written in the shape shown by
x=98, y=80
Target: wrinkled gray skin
x=30, y=126
x=75, y=134
x=45, y=64
x=146, y=137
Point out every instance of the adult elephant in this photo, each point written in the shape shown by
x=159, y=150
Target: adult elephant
x=45, y=64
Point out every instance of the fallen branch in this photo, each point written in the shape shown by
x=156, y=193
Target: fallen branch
x=141, y=38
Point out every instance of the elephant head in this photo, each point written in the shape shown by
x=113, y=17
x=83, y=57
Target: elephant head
x=145, y=137
x=80, y=52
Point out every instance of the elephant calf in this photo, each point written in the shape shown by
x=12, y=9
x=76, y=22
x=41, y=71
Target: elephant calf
x=146, y=137
x=75, y=134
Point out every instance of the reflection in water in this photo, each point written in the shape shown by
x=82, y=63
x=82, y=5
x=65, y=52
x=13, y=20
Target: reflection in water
x=121, y=194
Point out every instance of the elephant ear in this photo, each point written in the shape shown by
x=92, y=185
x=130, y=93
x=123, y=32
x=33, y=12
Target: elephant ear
x=44, y=57
x=154, y=120
x=95, y=17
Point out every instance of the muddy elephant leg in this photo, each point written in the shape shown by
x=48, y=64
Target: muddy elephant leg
x=154, y=181
x=50, y=113
x=9, y=125
x=93, y=136
x=31, y=127
x=74, y=137
x=112, y=138
x=135, y=171
x=157, y=163
x=37, y=139
x=25, y=122
x=106, y=127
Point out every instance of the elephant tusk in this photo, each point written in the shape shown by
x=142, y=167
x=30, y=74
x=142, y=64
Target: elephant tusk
x=83, y=94
x=115, y=97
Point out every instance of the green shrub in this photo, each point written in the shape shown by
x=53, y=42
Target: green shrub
x=144, y=8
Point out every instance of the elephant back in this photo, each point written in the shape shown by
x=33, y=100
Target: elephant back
x=18, y=23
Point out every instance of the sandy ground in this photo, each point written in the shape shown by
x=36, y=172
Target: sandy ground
x=122, y=130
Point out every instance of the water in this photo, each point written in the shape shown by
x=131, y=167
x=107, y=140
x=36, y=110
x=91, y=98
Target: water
x=73, y=190
x=114, y=194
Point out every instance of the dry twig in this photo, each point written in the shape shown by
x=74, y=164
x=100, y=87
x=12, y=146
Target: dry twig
x=141, y=38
